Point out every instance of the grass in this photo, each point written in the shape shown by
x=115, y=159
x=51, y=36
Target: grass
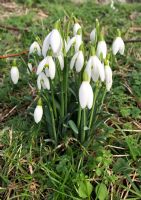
x=31, y=168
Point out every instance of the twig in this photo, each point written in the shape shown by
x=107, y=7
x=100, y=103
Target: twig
x=13, y=28
x=14, y=55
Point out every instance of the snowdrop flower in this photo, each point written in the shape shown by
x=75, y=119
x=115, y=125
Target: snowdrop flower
x=78, y=61
x=38, y=112
x=77, y=40
x=43, y=81
x=95, y=69
x=50, y=64
x=35, y=48
x=54, y=41
x=112, y=5
x=14, y=74
x=61, y=61
x=93, y=35
x=101, y=49
x=76, y=28
x=85, y=94
x=108, y=77
x=118, y=46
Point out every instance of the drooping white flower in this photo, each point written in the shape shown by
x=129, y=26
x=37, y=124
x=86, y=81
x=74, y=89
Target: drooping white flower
x=93, y=35
x=50, y=64
x=14, y=74
x=86, y=95
x=76, y=40
x=108, y=77
x=54, y=41
x=38, y=113
x=101, y=49
x=77, y=61
x=118, y=46
x=35, y=48
x=61, y=61
x=76, y=28
x=43, y=81
x=95, y=69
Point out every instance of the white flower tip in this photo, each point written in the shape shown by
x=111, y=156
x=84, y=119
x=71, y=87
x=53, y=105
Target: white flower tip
x=38, y=113
x=14, y=74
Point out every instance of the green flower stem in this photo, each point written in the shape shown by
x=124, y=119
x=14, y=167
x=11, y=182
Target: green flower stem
x=93, y=107
x=83, y=134
x=52, y=119
x=66, y=73
x=79, y=116
x=53, y=100
x=53, y=124
x=62, y=99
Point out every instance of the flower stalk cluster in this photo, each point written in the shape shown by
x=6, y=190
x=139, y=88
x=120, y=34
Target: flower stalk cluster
x=72, y=78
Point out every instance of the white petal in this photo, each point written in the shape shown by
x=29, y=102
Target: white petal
x=73, y=60
x=95, y=70
x=118, y=46
x=29, y=69
x=41, y=65
x=61, y=61
x=78, y=42
x=79, y=61
x=47, y=72
x=45, y=81
x=14, y=74
x=90, y=96
x=101, y=48
x=76, y=28
x=83, y=94
x=70, y=43
x=93, y=35
x=88, y=68
x=55, y=41
x=52, y=68
x=38, y=113
x=101, y=71
x=45, y=45
x=108, y=77
x=35, y=48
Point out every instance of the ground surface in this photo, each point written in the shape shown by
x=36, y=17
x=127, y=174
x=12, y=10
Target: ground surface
x=29, y=167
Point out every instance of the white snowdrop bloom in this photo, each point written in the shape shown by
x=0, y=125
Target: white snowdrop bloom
x=101, y=49
x=45, y=46
x=95, y=69
x=118, y=46
x=50, y=64
x=76, y=28
x=51, y=68
x=108, y=77
x=43, y=81
x=93, y=35
x=35, y=48
x=78, y=42
x=29, y=69
x=14, y=74
x=70, y=42
x=77, y=61
x=88, y=68
x=85, y=95
x=54, y=41
x=38, y=113
x=61, y=61
x=42, y=65
x=112, y=5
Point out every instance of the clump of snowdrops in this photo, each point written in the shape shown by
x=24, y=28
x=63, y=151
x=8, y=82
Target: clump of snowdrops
x=72, y=78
